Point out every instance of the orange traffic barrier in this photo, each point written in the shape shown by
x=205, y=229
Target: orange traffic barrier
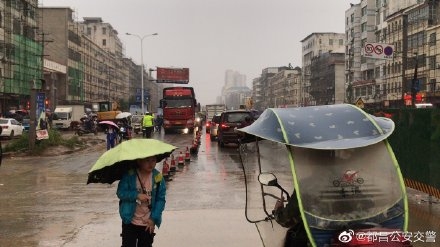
x=180, y=160
x=166, y=170
x=173, y=167
x=187, y=156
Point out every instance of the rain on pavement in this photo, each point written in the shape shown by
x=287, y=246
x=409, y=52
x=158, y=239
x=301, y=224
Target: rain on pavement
x=44, y=201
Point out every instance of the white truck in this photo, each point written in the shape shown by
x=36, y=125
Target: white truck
x=211, y=110
x=66, y=116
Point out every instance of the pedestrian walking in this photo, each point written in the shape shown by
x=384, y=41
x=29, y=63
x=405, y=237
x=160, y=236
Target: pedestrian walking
x=158, y=122
x=111, y=137
x=142, y=200
x=147, y=125
x=141, y=189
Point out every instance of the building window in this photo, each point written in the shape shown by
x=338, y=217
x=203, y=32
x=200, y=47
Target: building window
x=364, y=27
x=104, y=30
x=432, y=62
x=432, y=39
x=330, y=41
x=364, y=11
x=89, y=31
x=104, y=42
x=341, y=42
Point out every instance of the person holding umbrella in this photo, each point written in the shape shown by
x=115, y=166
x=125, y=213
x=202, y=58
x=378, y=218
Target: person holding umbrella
x=111, y=133
x=142, y=199
x=111, y=136
x=141, y=189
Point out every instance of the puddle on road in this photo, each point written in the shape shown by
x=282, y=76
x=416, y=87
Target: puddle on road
x=45, y=203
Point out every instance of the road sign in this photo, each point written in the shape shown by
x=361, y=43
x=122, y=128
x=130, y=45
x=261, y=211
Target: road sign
x=360, y=103
x=378, y=51
x=172, y=75
x=40, y=104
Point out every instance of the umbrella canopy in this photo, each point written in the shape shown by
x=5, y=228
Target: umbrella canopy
x=109, y=123
x=321, y=127
x=123, y=115
x=116, y=161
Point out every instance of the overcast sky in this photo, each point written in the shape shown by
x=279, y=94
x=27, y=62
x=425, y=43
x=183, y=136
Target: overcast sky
x=211, y=36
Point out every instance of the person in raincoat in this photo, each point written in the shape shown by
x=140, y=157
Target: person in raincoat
x=147, y=125
x=142, y=200
x=289, y=216
x=111, y=137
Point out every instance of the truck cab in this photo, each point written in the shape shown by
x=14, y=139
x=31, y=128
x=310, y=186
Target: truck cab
x=67, y=116
x=179, y=109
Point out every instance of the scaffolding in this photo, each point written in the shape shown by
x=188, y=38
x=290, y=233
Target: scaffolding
x=22, y=54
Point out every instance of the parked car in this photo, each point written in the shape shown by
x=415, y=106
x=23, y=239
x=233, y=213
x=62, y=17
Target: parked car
x=10, y=127
x=229, y=121
x=213, y=127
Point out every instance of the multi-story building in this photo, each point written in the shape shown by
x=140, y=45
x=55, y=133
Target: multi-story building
x=416, y=29
x=103, y=34
x=65, y=48
x=257, y=92
x=353, y=48
x=280, y=91
x=106, y=37
x=20, y=53
x=405, y=25
x=261, y=91
x=361, y=22
x=234, y=79
x=327, y=84
x=93, y=55
x=235, y=91
x=294, y=80
x=314, y=45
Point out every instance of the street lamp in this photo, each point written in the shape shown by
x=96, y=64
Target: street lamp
x=142, y=64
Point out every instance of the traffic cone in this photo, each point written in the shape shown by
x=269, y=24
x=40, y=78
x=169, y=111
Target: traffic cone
x=173, y=167
x=180, y=160
x=166, y=170
x=194, y=148
x=187, y=156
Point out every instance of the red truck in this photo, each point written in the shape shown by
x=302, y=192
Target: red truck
x=179, y=107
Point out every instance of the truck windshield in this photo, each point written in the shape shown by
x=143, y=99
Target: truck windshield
x=177, y=103
x=61, y=115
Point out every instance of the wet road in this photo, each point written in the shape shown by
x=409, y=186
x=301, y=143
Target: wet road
x=44, y=201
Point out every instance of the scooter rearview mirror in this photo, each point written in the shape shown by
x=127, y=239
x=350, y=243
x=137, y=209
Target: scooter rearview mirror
x=268, y=179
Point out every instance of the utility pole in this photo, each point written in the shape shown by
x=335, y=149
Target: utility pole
x=32, y=116
x=404, y=85
x=415, y=84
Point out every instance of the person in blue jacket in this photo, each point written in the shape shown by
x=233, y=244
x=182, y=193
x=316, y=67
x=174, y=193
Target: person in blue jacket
x=141, y=192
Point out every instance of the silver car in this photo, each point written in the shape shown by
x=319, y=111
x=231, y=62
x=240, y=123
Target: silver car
x=214, y=126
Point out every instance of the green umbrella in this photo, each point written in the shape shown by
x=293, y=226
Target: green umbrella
x=116, y=161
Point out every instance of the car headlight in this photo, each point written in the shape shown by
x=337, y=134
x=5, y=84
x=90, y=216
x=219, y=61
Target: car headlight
x=198, y=119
